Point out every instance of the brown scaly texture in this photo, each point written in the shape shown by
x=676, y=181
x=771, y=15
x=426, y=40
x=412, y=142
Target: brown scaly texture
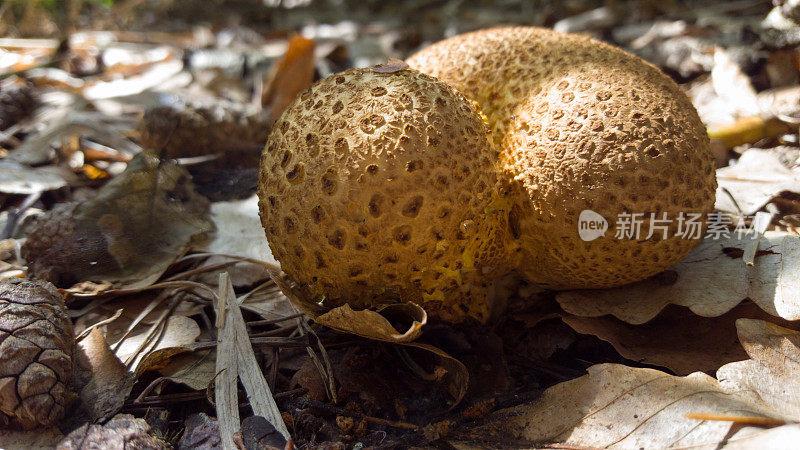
x=46, y=261
x=379, y=187
x=204, y=129
x=36, y=345
x=582, y=125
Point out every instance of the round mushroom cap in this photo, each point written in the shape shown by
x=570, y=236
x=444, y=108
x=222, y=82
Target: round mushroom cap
x=584, y=126
x=382, y=187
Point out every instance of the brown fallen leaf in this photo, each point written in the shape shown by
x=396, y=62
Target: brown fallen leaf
x=136, y=226
x=772, y=372
x=616, y=406
x=677, y=338
x=193, y=369
x=710, y=281
x=374, y=324
x=102, y=380
x=289, y=77
x=171, y=339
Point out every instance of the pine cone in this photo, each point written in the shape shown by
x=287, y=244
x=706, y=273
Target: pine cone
x=45, y=251
x=205, y=129
x=36, y=345
x=17, y=101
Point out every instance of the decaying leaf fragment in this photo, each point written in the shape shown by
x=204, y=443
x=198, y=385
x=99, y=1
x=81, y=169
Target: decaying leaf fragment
x=616, y=406
x=123, y=431
x=710, y=281
x=135, y=227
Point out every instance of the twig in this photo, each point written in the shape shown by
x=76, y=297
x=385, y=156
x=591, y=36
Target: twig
x=15, y=214
x=258, y=323
x=261, y=399
x=744, y=420
x=330, y=409
x=89, y=329
x=760, y=224
x=257, y=342
x=169, y=399
x=225, y=388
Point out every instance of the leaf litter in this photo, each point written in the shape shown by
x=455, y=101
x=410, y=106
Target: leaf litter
x=137, y=243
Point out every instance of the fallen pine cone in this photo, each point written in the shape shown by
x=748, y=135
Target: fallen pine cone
x=205, y=129
x=36, y=345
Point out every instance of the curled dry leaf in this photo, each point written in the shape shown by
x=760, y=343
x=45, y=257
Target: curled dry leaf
x=710, y=281
x=772, y=372
x=135, y=227
x=194, y=369
x=677, y=338
x=758, y=177
x=104, y=382
x=616, y=406
x=374, y=325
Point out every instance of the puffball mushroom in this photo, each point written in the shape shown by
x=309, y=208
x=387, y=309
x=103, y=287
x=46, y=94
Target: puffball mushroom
x=379, y=187
x=581, y=125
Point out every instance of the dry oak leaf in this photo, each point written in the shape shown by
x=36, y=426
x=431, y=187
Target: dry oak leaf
x=710, y=281
x=625, y=407
x=677, y=338
x=773, y=370
x=758, y=177
x=374, y=324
